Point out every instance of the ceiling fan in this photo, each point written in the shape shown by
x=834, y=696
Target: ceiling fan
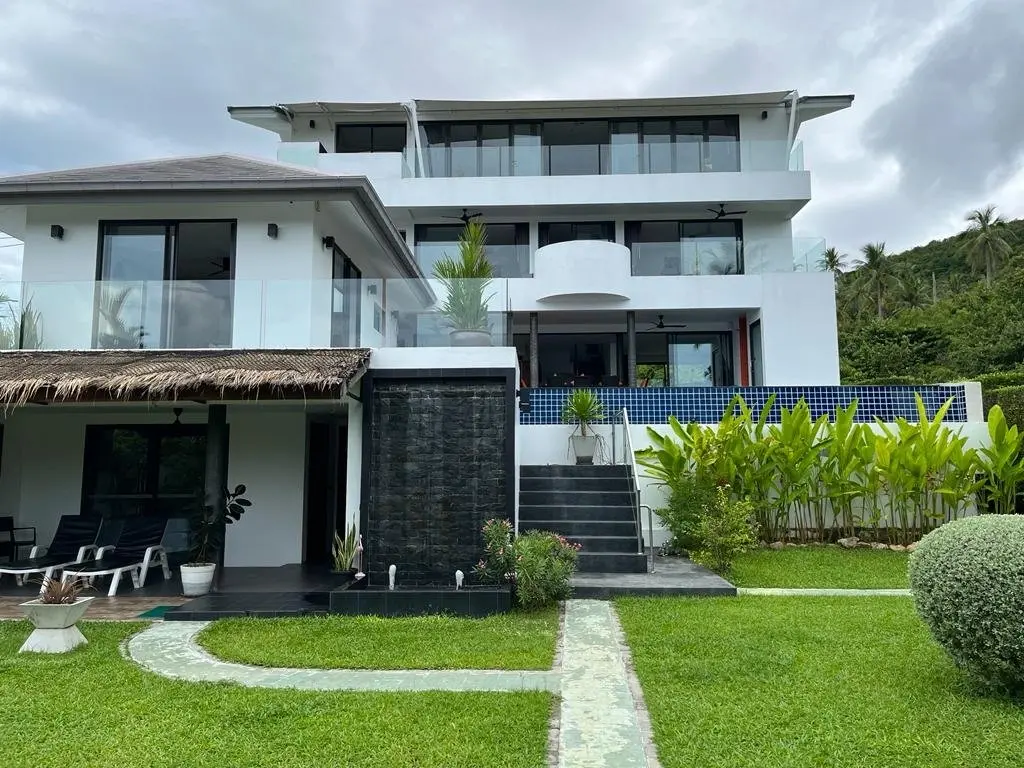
x=722, y=213
x=661, y=325
x=466, y=216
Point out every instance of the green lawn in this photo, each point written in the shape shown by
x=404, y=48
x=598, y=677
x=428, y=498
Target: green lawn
x=93, y=708
x=821, y=567
x=503, y=641
x=801, y=682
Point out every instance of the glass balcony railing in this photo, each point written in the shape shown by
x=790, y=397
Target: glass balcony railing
x=711, y=256
x=249, y=314
x=312, y=314
x=603, y=159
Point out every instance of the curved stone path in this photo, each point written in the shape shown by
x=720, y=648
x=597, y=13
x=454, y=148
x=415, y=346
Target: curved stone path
x=169, y=648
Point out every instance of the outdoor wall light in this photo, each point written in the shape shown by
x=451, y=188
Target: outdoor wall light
x=312, y=123
x=328, y=242
x=272, y=231
x=764, y=114
x=372, y=289
x=56, y=231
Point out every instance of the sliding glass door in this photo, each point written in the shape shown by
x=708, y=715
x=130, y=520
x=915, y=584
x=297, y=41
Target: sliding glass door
x=165, y=285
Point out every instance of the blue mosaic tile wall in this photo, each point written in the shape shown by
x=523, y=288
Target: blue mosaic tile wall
x=653, y=405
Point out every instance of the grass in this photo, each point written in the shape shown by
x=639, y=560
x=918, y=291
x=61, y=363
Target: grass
x=93, y=708
x=800, y=682
x=503, y=641
x=831, y=567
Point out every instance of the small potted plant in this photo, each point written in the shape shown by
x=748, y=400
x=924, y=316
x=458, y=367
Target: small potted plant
x=208, y=526
x=346, y=551
x=465, y=279
x=583, y=408
x=54, y=615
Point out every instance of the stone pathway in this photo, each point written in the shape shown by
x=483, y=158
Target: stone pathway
x=169, y=649
x=121, y=608
x=599, y=725
x=601, y=713
x=782, y=592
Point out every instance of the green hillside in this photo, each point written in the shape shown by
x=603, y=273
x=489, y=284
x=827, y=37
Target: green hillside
x=929, y=314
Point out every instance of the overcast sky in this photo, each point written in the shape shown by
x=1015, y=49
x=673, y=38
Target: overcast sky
x=937, y=126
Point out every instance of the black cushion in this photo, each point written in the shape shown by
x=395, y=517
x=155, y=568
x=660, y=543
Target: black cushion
x=41, y=563
x=108, y=561
x=73, y=533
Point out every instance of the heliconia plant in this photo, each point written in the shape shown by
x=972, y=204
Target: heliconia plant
x=819, y=479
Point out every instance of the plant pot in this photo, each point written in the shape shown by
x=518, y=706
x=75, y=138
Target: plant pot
x=55, y=630
x=197, y=578
x=584, y=448
x=470, y=338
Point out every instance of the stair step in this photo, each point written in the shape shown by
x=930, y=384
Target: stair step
x=573, y=470
x=621, y=484
x=531, y=512
x=621, y=545
x=605, y=562
x=572, y=528
x=577, y=498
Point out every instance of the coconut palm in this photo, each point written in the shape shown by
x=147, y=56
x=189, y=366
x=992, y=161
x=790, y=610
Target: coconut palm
x=832, y=261
x=912, y=292
x=875, y=278
x=985, y=247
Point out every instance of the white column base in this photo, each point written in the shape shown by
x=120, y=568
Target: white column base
x=53, y=640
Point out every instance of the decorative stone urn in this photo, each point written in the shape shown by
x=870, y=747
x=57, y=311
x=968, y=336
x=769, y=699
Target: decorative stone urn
x=55, y=630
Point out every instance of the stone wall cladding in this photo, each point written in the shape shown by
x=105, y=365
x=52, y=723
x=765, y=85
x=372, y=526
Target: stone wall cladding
x=437, y=471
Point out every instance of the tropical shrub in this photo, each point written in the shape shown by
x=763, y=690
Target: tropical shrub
x=1011, y=400
x=816, y=479
x=538, y=564
x=724, y=529
x=686, y=498
x=967, y=578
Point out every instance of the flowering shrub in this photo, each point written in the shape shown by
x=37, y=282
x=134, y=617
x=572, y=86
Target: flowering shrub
x=539, y=564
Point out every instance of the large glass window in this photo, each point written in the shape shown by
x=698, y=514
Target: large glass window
x=153, y=470
x=384, y=137
x=685, y=247
x=700, y=360
x=561, y=232
x=165, y=284
x=576, y=147
x=508, y=247
x=345, y=307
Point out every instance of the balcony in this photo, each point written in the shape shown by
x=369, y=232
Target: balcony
x=602, y=159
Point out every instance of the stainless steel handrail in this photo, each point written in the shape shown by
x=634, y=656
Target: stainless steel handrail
x=630, y=461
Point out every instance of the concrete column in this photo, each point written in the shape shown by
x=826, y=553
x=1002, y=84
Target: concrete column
x=534, y=353
x=631, y=348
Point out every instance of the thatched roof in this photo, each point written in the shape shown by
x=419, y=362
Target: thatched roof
x=140, y=375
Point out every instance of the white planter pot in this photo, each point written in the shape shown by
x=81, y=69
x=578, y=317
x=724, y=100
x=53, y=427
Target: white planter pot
x=55, y=630
x=470, y=338
x=584, y=448
x=197, y=578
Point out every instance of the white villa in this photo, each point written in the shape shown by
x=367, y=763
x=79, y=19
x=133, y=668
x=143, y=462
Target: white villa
x=287, y=311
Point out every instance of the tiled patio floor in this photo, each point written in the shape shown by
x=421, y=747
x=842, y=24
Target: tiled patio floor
x=103, y=608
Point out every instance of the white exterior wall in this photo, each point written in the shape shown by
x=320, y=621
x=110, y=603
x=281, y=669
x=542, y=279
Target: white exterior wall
x=799, y=332
x=267, y=454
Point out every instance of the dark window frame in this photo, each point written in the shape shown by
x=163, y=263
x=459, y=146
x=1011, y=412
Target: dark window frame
x=373, y=143
x=153, y=434
x=521, y=235
x=170, y=242
x=543, y=230
x=630, y=227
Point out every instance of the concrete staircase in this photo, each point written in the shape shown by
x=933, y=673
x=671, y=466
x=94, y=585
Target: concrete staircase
x=592, y=505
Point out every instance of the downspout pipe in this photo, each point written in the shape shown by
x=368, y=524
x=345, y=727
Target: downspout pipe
x=414, y=123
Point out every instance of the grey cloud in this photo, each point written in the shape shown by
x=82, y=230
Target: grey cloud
x=956, y=125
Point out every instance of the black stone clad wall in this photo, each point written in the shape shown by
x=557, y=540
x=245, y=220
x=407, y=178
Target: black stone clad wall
x=437, y=471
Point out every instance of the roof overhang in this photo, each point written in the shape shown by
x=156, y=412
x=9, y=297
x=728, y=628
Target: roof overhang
x=158, y=375
x=278, y=117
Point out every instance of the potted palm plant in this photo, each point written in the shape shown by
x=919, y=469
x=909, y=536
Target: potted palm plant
x=583, y=408
x=208, y=527
x=54, y=616
x=465, y=279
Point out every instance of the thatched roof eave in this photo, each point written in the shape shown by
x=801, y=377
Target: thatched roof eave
x=147, y=375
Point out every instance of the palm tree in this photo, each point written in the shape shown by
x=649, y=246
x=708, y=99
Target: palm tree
x=876, y=276
x=985, y=247
x=912, y=292
x=832, y=261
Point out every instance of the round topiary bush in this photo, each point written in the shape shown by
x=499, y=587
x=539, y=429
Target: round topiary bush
x=968, y=583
